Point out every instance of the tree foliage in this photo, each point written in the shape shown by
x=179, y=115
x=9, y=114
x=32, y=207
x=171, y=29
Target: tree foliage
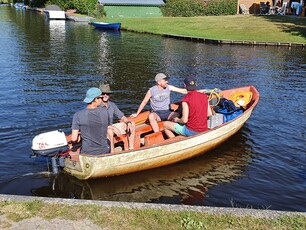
x=87, y=7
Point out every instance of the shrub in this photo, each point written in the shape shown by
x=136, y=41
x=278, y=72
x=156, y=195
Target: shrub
x=98, y=12
x=191, y=8
x=63, y=4
x=87, y=7
x=38, y=3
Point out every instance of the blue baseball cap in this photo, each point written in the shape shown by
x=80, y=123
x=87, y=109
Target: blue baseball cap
x=91, y=94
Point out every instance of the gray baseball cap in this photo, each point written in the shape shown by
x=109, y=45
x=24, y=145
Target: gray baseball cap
x=161, y=76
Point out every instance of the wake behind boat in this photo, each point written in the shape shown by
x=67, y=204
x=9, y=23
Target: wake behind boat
x=151, y=150
x=107, y=26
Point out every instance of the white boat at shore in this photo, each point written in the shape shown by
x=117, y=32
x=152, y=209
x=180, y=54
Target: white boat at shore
x=54, y=12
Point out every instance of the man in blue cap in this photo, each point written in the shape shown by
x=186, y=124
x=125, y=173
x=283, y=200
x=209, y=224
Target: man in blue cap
x=92, y=122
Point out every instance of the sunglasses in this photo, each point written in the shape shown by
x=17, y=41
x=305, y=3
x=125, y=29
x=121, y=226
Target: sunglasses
x=107, y=94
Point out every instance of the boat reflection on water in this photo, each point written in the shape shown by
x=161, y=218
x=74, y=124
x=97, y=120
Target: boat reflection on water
x=57, y=29
x=183, y=183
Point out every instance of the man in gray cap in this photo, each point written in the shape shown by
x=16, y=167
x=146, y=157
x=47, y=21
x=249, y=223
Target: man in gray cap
x=159, y=96
x=92, y=122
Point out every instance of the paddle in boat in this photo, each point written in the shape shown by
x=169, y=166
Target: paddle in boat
x=107, y=26
x=151, y=150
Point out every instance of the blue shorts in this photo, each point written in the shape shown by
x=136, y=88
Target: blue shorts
x=183, y=130
x=163, y=114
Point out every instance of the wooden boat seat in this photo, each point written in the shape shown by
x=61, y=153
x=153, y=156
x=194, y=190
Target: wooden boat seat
x=174, y=139
x=158, y=138
x=123, y=139
x=140, y=119
x=153, y=138
x=142, y=129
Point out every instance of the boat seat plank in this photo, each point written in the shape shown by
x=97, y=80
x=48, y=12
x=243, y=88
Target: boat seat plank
x=153, y=138
x=144, y=128
x=140, y=119
x=124, y=139
x=174, y=139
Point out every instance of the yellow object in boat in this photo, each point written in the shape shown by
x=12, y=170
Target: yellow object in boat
x=241, y=98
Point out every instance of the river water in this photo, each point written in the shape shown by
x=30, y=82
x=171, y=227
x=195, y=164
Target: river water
x=46, y=68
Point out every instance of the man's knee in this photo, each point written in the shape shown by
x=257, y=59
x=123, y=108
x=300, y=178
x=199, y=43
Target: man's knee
x=168, y=125
x=152, y=116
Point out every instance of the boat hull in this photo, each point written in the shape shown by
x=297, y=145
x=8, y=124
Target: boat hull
x=168, y=152
x=55, y=15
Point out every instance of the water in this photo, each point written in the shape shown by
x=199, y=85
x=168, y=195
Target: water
x=46, y=68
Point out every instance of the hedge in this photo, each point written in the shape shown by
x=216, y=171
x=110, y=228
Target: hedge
x=191, y=8
x=87, y=7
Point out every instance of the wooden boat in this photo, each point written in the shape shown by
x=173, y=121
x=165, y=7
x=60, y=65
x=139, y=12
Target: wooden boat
x=152, y=150
x=107, y=26
x=55, y=15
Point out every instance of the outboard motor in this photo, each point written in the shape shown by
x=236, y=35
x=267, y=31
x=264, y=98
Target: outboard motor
x=53, y=145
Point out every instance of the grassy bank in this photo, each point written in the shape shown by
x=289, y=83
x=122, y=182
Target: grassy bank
x=235, y=27
x=125, y=218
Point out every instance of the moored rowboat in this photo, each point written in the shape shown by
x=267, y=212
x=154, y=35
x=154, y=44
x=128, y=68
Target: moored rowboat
x=154, y=151
x=107, y=26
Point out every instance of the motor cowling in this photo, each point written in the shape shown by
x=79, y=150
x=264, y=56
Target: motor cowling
x=49, y=144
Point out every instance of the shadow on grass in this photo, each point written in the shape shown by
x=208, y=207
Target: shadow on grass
x=289, y=24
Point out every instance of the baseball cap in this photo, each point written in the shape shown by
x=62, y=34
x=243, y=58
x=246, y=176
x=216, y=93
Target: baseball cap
x=161, y=76
x=191, y=83
x=91, y=94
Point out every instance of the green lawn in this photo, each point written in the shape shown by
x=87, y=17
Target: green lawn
x=131, y=218
x=235, y=27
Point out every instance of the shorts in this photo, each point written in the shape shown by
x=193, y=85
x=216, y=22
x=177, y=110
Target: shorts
x=183, y=130
x=163, y=114
x=121, y=126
